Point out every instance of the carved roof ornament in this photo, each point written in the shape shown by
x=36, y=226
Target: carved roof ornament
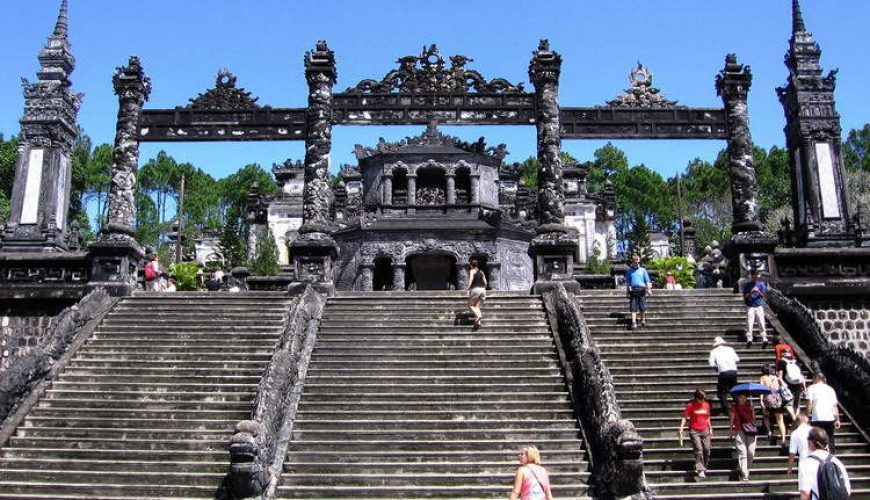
x=225, y=95
x=288, y=166
x=426, y=74
x=641, y=94
x=431, y=137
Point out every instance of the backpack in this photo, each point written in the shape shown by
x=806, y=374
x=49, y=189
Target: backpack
x=793, y=374
x=829, y=480
x=149, y=271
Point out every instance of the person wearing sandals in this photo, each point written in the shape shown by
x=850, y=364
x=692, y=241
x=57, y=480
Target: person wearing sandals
x=744, y=431
x=700, y=430
x=772, y=403
x=476, y=291
x=532, y=481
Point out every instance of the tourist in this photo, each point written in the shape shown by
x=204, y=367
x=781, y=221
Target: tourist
x=754, y=292
x=780, y=347
x=532, y=481
x=808, y=470
x=170, y=285
x=671, y=282
x=823, y=407
x=697, y=412
x=215, y=284
x=638, y=287
x=725, y=360
x=152, y=273
x=797, y=446
x=772, y=403
x=790, y=372
x=476, y=291
x=744, y=432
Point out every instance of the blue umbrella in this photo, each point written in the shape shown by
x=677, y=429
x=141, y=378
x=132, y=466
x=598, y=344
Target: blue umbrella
x=750, y=389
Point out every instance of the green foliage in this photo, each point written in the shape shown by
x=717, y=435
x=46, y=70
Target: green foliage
x=595, y=264
x=608, y=160
x=637, y=238
x=233, y=247
x=772, y=171
x=529, y=177
x=185, y=276
x=265, y=260
x=682, y=269
x=8, y=158
x=856, y=155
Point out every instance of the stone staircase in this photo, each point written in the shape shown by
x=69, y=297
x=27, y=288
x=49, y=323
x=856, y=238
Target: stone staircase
x=404, y=400
x=657, y=368
x=146, y=408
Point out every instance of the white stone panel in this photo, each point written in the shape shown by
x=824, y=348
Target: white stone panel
x=800, y=185
x=62, y=181
x=827, y=181
x=32, y=187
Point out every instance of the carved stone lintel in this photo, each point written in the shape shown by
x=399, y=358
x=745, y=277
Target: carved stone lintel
x=733, y=84
x=132, y=88
x=426, y=74
x=225, y=95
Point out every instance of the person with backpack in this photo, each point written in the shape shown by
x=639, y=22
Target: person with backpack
x=532, y=481
x=789, y=371
x=822, y=476
x=152, y=274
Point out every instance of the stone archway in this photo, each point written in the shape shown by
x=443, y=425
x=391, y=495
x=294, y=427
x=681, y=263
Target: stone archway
x=431, y=271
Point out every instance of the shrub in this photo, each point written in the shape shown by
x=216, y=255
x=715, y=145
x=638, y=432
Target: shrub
x=681, y=267
x=185, y=276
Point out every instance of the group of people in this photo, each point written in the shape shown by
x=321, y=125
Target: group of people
x=158, y=280
x=813, y=429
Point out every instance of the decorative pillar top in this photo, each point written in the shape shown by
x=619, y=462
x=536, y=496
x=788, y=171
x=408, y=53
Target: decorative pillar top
x=733, y=82
x=130, y=81
x=321, y=60
x=797, y=17
x=546, y=65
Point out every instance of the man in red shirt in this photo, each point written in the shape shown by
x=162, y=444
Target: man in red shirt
x=700, y=430
x=780, y=346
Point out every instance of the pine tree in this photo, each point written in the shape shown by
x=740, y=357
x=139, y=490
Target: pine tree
x=265, y=259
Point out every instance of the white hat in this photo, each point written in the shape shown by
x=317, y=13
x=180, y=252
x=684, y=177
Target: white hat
x=718, y=341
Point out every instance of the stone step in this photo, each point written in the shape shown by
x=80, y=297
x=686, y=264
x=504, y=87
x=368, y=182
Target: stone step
x=430, y=315
x=58, y=402
x=488, y=416
x=465, y=491
x=381, y=371
x=557, y=469
x=423, y=388
x=497, y=443
x=499, y=403
x=408, y=343
x=217, y=396
x=217, y=364
x=107, y=489
x=111, y=443
x=158, y=331
x=541, y=381
x=726, y=459
x=387, y=356
x=97, y=353
x=163, y=414
x=783, y=484
x=130, y=342
x=430, y=426
x=77, y=454
x=405, y=363
x=180, y=431
x=166, y=378
x=419, y=479
x=417, y=327
x=103, y=367
x=495, y=454
x=49, y=464
x=76, y=423
x=467, y=336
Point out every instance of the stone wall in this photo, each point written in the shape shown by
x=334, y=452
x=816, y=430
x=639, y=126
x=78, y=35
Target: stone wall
x=24, y=324
x=844, y=320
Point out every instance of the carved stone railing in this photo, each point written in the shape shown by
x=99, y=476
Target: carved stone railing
x=32, y=365
x=258, y=447
x=615, y=447
x=847, y=370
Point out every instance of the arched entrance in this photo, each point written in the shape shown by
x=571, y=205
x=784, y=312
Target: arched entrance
x=382, y=278
x=431, y=271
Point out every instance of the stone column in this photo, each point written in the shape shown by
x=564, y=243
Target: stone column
x=116, y=254
x=494, y=273
x=388, y=189
x=555, y=245
x=451, y=189
x=475, y=187
x=733, y=84
x=399, y=276
x=412, y=189
x=462, y=275
x=367, y=276
x=314, y=250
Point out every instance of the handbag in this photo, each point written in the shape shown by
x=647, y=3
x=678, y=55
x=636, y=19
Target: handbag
x=749, y=428
x=786, y=395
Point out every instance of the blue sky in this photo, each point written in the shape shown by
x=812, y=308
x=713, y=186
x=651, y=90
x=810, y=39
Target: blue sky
x=182, y=45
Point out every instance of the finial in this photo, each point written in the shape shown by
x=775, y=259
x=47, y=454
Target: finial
x=61, y=28
x=797, y=17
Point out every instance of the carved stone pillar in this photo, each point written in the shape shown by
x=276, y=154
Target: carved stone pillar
x=494, y=272
x=451, y=189
x=388, y=189
x=399, y=276
x=412, y=190
x=116, y=254
x=462, y=275
x=314, y=250
x=556, y=244
x=41, y=187
x=367, y=276
x=733, y=84
x=475, y=187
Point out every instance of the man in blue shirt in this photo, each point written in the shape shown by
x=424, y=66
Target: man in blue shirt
x=754, y=292
x=639, y=286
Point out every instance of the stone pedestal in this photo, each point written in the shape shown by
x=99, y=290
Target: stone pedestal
x=553, y=253
x=115, y=265
x=749, y=250
x=313, y=255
